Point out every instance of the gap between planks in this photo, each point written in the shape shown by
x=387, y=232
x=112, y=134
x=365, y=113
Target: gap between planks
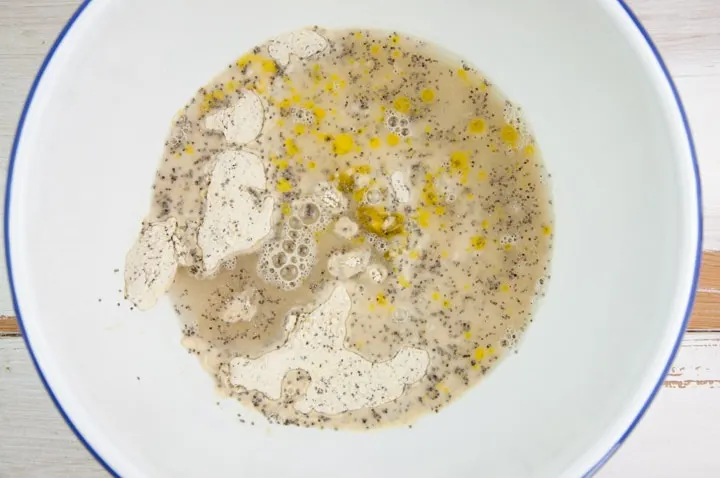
x=705, y=316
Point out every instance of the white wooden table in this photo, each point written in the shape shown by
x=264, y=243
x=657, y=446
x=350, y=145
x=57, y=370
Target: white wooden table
x=679, y=436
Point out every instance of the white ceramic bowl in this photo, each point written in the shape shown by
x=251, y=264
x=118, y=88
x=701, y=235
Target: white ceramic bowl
x=628, y=231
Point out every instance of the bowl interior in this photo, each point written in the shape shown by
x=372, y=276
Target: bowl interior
x=626, y=239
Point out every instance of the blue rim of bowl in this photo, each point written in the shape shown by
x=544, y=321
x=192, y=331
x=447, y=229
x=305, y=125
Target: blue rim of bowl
x=591, y=471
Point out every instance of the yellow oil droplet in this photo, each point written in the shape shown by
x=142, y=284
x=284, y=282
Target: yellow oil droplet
x=491, y=351
x=177, y=155
x=484, y=223
x=358, y=35
x=436, y=295
x=477, y=126
x=286, y=209
x=284, y=186
x=402, y=104
x=266, y=64
x=423, y=217
x=346, y=182
x=218, y=94
x=189, y=149
x=395, y=39
x=282, y=164
x=299, y=129
x=482, y=175
x=507, y=247
x=427, y=95
x=529, y=150
x=467, y=335
x=376, y=220
x=230, y=86
x=466, y=287
x=362, y=169
x=446, y=303
x=359, y=194
x=462, y=74
x=381, y=299
x=375, y=49
x=311, y=165
x=319, y=113
x=403, y=282
x=375, y=143
x=444, y=254
x=505, y=288
x=459, y=162
x=546, y=230
x=479, y=353
x=269, y=66
x=414, y=254
x=509, y=135
x=291, y=147
x=343, y=144
x=442, y=388
x=478, y=243
x=393, y=139
x=396, y=53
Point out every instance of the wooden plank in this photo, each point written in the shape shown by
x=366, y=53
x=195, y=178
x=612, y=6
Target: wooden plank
x=8, y=327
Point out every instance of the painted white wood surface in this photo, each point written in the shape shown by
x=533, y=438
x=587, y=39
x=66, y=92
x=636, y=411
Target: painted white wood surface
x=678, y=437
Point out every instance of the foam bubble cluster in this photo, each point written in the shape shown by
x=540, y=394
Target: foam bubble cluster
x=398, y=123
x=287, y=259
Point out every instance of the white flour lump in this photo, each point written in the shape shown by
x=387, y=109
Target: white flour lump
x=238, y=212
x=341, y=380
x=301, y=43
x=150, y=264
x=240, y=123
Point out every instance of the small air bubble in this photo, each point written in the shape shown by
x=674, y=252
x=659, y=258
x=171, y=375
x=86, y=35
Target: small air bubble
x=289, y=272
x=279, y=259
x=295, y=222
x=310, y=213
x=373, y=196
x=288, y=246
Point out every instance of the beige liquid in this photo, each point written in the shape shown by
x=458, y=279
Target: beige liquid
x=466, y=256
